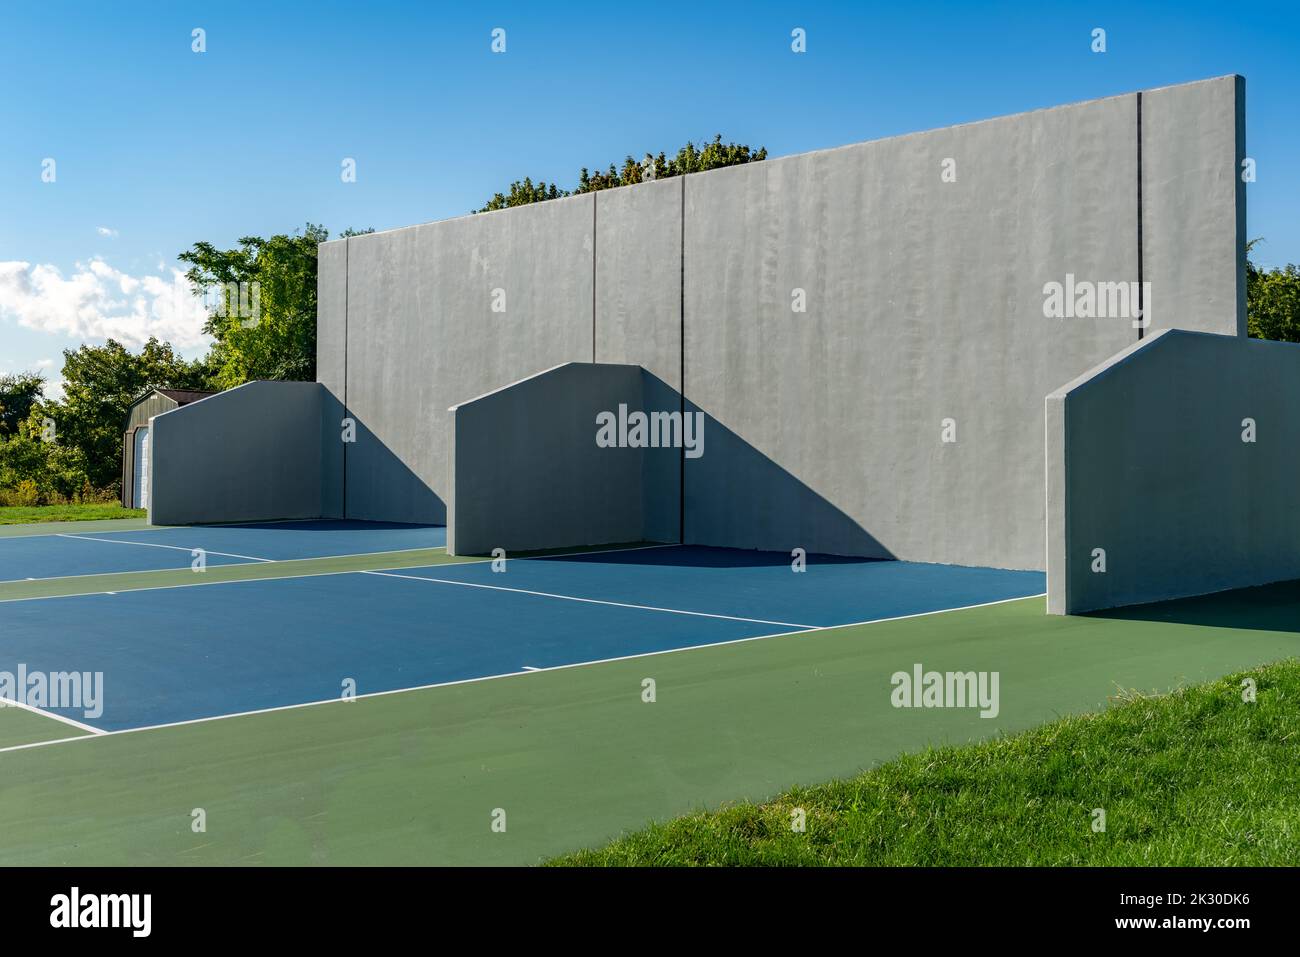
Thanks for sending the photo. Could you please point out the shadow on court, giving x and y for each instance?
(1273, 607)
(703, 556)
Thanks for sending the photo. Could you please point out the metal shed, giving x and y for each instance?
(135, 439)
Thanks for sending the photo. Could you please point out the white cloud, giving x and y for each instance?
(105, 231)
(99, 302)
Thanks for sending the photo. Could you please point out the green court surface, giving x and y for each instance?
(19, 726)
(81, 528)
(574, 756)
(217, 574)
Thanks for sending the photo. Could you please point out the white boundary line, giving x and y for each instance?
(591, 601)
(129, 591)
(74, 524)
(274, 578)
(274, 561)
(515, 674)
(11, 703)
(164, 528)
(177, 548)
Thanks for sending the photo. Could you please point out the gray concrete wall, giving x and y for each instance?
(331, 365)
(251, 453)
(1146, 461)
(526, 471)
(1194, 205)
(924, 302)
(421, 335)
(639, 316)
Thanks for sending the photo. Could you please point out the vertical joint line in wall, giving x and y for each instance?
(347, 274)
(1141, 311)
(681, 370)
(594, 198)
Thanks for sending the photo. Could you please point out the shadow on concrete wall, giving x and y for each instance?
(732, 479)
(380, 487)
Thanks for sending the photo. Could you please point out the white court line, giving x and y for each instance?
(516, 674)
(276, 578)
(276, 561)
(590, 601)
(165, 528)
(179, 548)
(102, 531)
(11, 703)
(131, 591)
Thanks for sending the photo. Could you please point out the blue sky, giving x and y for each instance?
(157, 147)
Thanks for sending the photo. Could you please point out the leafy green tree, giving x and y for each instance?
(264, 318)
(18, 393)
(1272, 300)
(714, 155)
(521, 194)
(99, 385)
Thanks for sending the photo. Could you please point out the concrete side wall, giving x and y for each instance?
(1147, 462)
(1194, 205)
(924, 303)
(639, 316)
(331, 364)
(331, 315)
(252, 453)
(526, 471)
(422, 335)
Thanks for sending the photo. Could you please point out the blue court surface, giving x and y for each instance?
(176, 654)
(70, 553)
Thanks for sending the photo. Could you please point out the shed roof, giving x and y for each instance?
(185, 396)
(179, 396)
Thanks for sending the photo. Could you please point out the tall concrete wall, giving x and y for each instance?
(639, 316)
(924, 303)
(526, 471)
(1147, 462)
(251, 453)
(422, 335)
(1194, 205)
(331, 366)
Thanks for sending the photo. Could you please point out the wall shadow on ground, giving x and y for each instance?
(705, 556)
(1273, 607)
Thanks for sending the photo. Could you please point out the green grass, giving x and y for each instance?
(1195, 777)
(577, 759)
(21, 515)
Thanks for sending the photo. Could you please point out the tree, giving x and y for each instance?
(1272, 300)
(18, 393)
(99, 385)
(264, 320)
(688, 159)
(521, 194)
